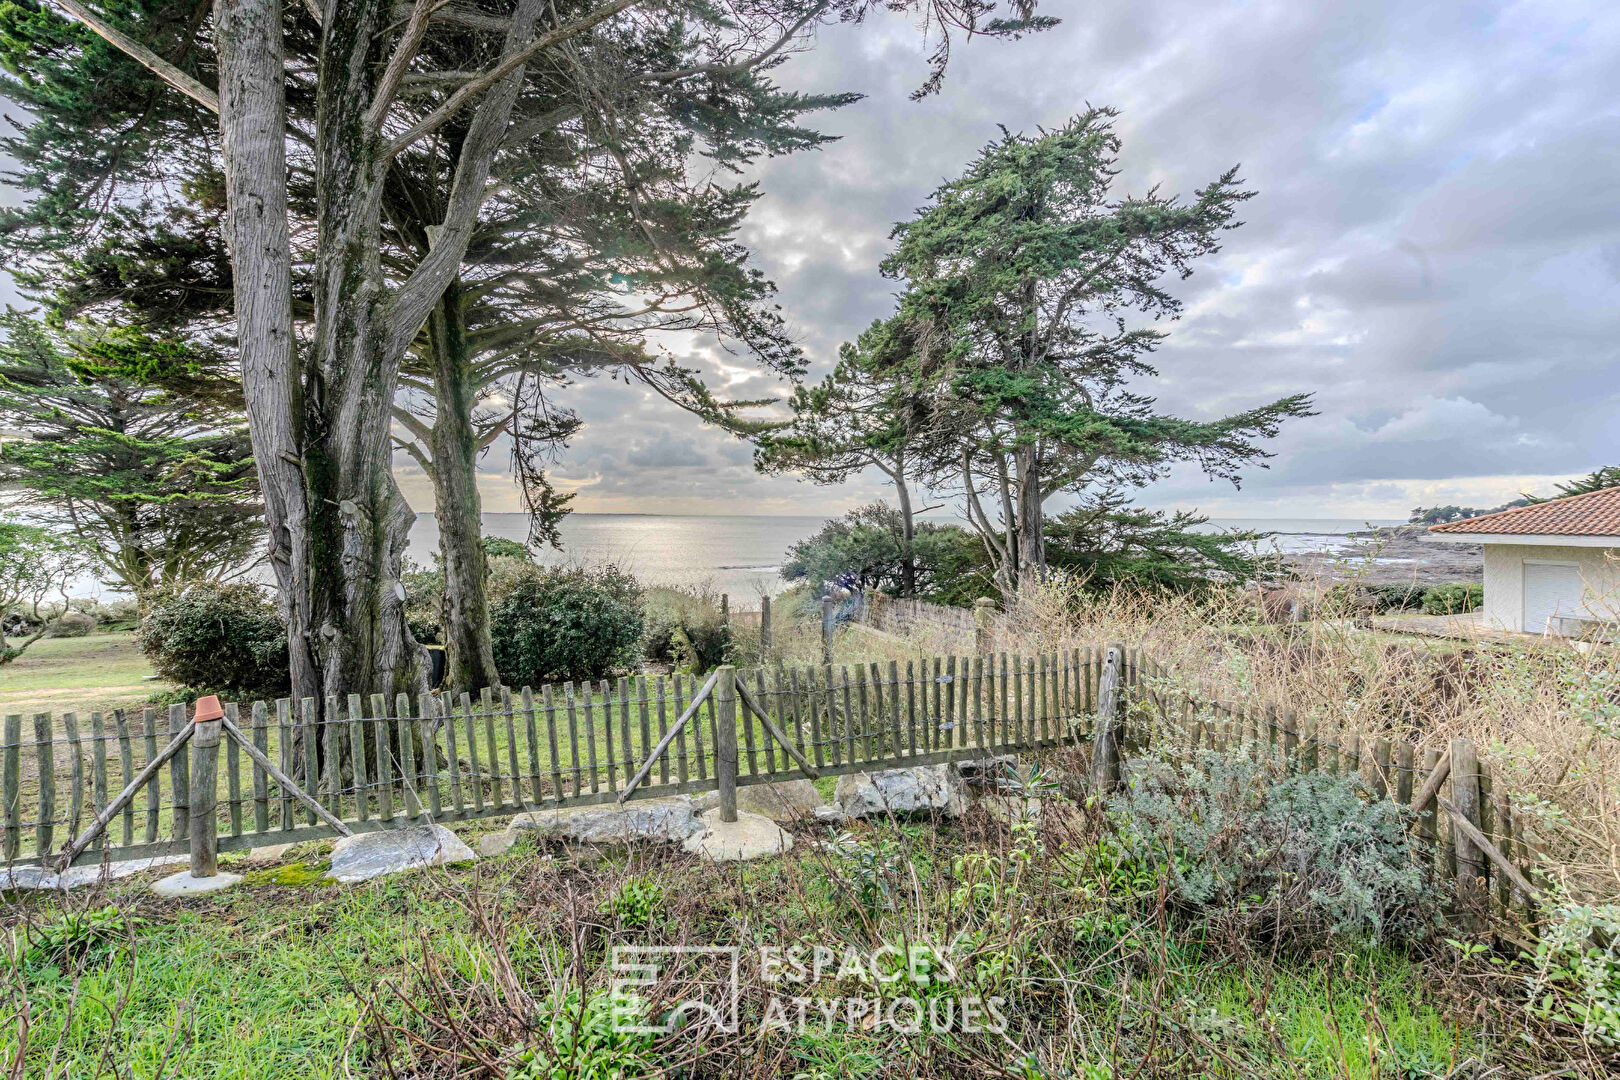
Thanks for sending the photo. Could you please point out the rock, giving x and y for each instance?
(992, 772)
(923, 789)
(785, 801)
(182, 885)
(831, 815)
(98, 873)
(273, 853)
(751, 836)
(1011, 809)
(664, 821)
(498, 843)
(705, 800)
(374, 854)
(28, 877)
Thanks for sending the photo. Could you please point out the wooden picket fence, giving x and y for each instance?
(292, 771)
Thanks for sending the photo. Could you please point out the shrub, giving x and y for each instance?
(218, 637)
(1453, 599)
(72, 624)
(553, 624)
(424, 603)
(1301, 857)
(683, 628)
(1377, 599)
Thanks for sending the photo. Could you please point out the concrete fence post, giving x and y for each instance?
(984, 634)
(725, 741)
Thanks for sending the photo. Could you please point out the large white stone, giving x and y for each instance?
(923, 789)
(784, 801)
(38, 878)
(666, 821)
(28, 877)
(374, 854)
(751, 836)
(182, 885)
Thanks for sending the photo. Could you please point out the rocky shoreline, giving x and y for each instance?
(1393, 556)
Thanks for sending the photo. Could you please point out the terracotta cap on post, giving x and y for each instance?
(208, 708)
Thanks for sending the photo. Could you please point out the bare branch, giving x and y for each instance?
(512, 61)
(400, 62)
(144, 56)
(739, 66)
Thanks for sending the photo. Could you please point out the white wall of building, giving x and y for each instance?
(1599, 571)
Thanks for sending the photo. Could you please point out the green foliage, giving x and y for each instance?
(1109, 541)
(1260, 851)
(72, 624)
(870, 868)
(130, 439)
(637, 901)
(865, 549)
(76, 937)
(226, 638)
(683, 628)
(498, 547)
(1376, 599)
(35, 563)
(1577, 970)
(552, 624)
(1022, 277)
(1454, 599)
(584, 1044)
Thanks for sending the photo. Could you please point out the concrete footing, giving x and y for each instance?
(182, 885)
(751, 836)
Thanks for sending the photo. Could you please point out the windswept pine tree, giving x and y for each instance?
(134, 444)
(325, 113)
(1023, 276)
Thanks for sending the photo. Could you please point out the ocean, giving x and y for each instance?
(743, 556)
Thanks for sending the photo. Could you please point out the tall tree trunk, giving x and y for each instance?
(469, 649)
(908, 530)
(358, 520)
(1031, 535)
(252, 113)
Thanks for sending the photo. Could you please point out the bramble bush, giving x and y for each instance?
(213, 637)
(683, 629)
(552, 623)
(1296, 857)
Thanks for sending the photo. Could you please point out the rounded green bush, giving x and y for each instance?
(218, 637)
(1453, 599)
(552, 624)
(71, 624)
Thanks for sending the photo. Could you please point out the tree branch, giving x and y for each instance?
(512, 61)
(144, 56)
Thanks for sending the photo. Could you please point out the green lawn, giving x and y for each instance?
(100, 672)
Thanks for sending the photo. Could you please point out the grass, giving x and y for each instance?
(425, 974)
(98, 672)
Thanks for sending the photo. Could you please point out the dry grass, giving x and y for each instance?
(1545, 715)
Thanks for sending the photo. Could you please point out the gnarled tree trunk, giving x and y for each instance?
(468, 646)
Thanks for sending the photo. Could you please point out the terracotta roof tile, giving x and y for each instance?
(1596, 513)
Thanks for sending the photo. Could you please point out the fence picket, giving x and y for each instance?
(510, 716)
(331, 744)
(531, 728)
(475, 769)
(452, 748)
(382, 737)
(70, 726)
(179, 776)
(45, 768)
(126, 760)
(284, 743)
(98, 762)
(11, 786)
(625, 740)
(607, 727)
(487, 699)
(644, 714)
(551, 740)
(356, 727)
(233, 773)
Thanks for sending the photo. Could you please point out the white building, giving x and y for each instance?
(1550, 567)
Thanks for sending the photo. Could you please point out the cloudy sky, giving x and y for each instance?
(1434, 249)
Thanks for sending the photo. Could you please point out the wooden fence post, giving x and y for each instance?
(1470, 858)
(826, 629)
(725, 609)
(764, 624)
(984, 610)
(1105, 763)
(725, 741)
(203, 834)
